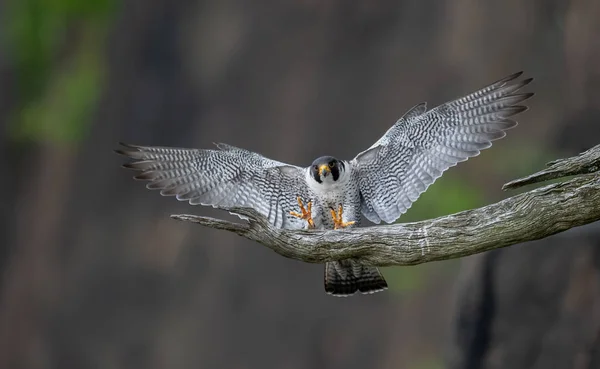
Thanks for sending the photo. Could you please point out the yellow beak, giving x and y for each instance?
(324, 168)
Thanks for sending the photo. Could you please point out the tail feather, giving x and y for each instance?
(346, 277)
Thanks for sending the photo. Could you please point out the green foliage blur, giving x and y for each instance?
(429, 363)
(57, 47)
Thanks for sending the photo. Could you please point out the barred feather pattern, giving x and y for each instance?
(228, 177)
(346, 277)
(421, 145)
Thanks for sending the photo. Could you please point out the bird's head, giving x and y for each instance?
(327, 169)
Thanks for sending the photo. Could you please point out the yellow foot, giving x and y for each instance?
(337, 219)
(306, 213)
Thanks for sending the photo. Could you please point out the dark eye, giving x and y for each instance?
(316, 167)
(331, 164)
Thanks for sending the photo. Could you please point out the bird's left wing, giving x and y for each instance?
(422, 144)
(228, 177)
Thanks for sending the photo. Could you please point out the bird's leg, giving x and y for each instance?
(337, 219)
(306, 213)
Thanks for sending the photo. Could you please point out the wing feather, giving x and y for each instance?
(229, 177)
(422, 145)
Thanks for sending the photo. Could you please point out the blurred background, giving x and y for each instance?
(96, 275)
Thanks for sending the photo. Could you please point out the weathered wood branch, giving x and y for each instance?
(586, 162)
(536, 214)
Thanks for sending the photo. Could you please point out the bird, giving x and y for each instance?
(381, 182)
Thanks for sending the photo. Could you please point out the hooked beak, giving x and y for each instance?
(324, 169)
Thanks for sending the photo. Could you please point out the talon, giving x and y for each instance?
(306, 213)
(337, 219)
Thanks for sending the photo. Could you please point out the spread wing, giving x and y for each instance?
(423, 144)
(226, 177)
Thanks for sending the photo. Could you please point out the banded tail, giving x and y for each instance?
(346, 277)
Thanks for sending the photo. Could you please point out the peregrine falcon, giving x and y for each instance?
(380, 183)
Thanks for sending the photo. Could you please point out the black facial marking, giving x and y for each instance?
(315, 173)
(335, 171)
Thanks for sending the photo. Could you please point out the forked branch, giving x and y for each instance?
(529, 216)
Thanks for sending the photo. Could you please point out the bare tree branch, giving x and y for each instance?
(529, 216)
(586, 162)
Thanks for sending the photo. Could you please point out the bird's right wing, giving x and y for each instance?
(422, 144)
(228, 177)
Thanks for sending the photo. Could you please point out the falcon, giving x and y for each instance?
(380, 183)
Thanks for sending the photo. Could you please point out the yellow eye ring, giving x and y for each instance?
(331, 165)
